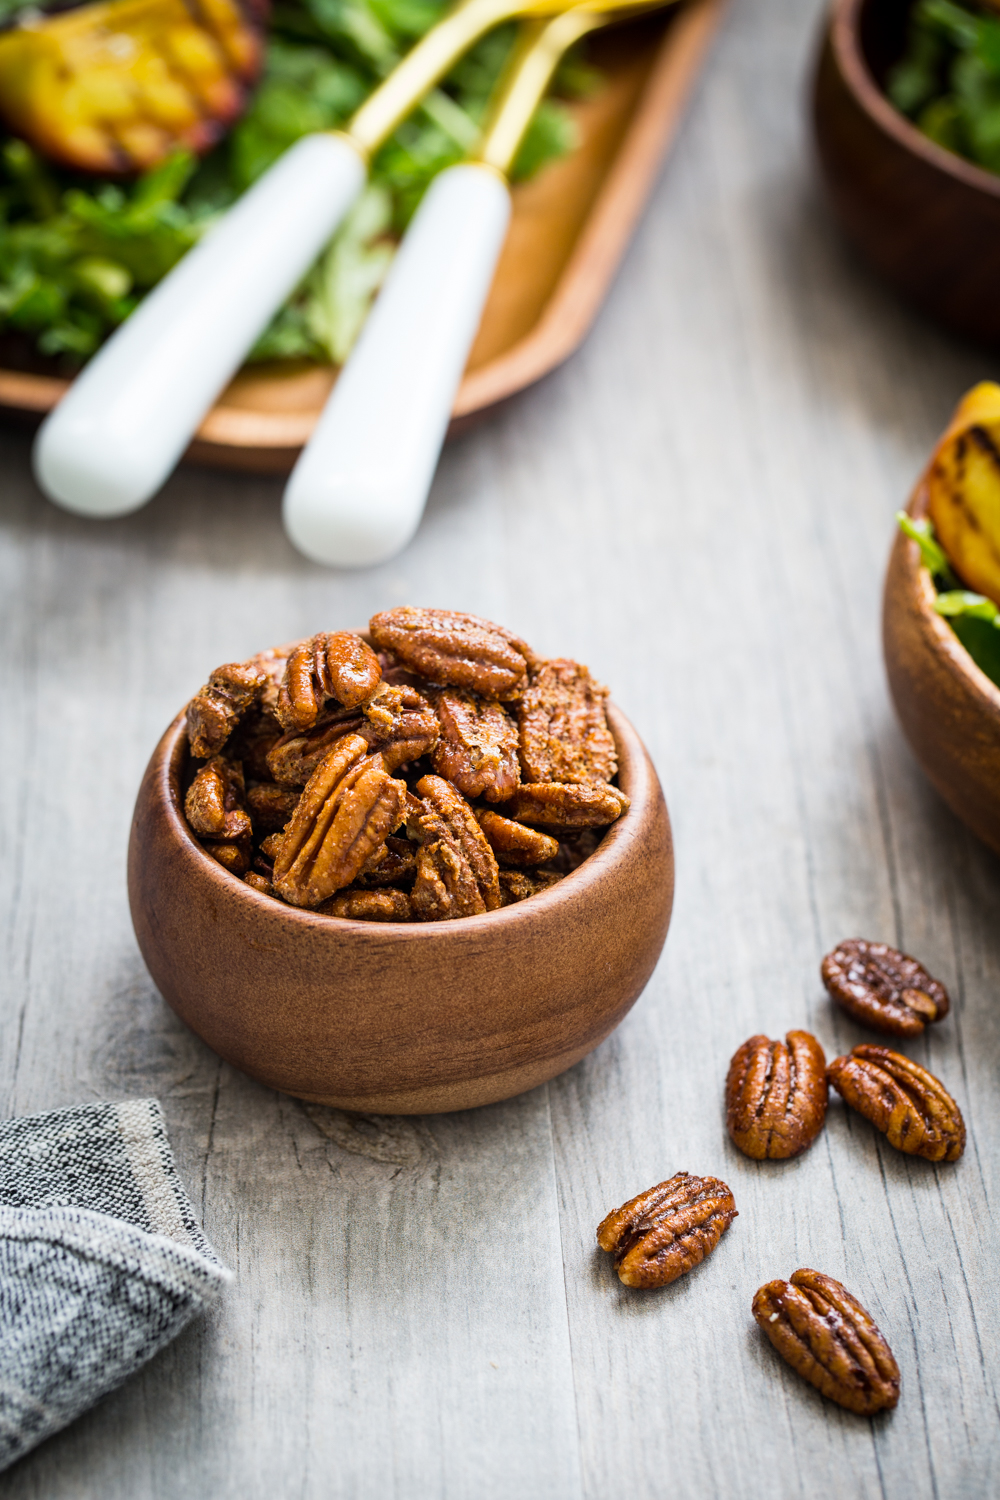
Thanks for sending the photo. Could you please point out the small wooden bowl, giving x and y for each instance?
(928, 220)
(949, 709)
(411, 1018)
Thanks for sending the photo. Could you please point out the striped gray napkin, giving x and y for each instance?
(102, 1261)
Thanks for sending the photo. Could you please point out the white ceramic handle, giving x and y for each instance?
(126, 420)
(357, 493)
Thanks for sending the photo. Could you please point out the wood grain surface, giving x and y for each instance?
(699, 505)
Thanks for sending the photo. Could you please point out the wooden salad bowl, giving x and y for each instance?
(927, 219)
(949, 709)
(408, 1018)
(569, 229)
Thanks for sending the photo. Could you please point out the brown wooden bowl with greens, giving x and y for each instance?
(925, 217)
(949, 709)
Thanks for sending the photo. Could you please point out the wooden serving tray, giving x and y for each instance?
(569, 229)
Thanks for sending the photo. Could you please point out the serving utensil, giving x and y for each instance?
(358, 491)
(128, 417)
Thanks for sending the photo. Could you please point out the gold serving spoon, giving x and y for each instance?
(125, 422)
(115, 87)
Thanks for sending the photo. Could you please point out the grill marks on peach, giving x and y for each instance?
(776, 1096)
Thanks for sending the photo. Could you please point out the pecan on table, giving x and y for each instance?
(368, 906)
(776, 1095)
(563, 727)
(454, 649)
(348, 808)
(270, 806)
(912, 1108)
(215, 800)
(457, 873)
(216, 709)
(518, 885)
(339, 666)
(668, 1230)
(883, 988)
(553, 804)
(830, 1340)
(477, 750)
(515, 843)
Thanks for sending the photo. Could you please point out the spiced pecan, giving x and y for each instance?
(216, 709)
(270, 806)
(272, 663)
(252, 741)
(234, 856)
(477, 750)
(259, 882)
(454, 649)
(515, 844)
(294, 757)
(339, 666)
(911, 1107)
(518, 885)
(270, 846)
(397, 721)
(215, 800)
(369, 906)
(883, 988)
(413, 732)
(668, 1230)
(554, 804)
(394, 864)
(348, 808)
(776, 1095)
(447, 804)
(830, 1340)
(563, 728)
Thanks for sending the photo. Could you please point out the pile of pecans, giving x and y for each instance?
(776, 1101)
(443, 771)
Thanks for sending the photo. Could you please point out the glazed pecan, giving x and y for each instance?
(414, 730)
(446, 805)
(215, 801)
(776, 1095)
(554, 804)
(294, 757)
(216, 709)
(911, 1107)
(340, 666)
(259, 882)
(252, 741)
(271, 846)
(273, 663)
(477, 750)
(348, 808)
(668, 1230)
(270, 806)
(883, 988)
(454, 649)
(827, 1337)
(397, 721)
(394, 864)
(563, 727)
(368, 906)
(234, 857)
(515, 843)
(518, 885)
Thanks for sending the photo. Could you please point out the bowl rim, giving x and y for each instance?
(921, 589)
(643, 788)
(845, 42)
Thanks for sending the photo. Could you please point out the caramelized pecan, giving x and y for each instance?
(259, 882)
(270, 806)
(414, 730)
(668, 1230)
(234, 857)
(515, 843)
(394, 864)
(340, 666)
(830, 1340)
(444, 803)
(216, 709)
(911, 1107)
(563, 727)
(252, 741)
(477, 750)
(454, 649)
(776, 1095)
(368, 906)
(294, 757)
(883, 988)
(518, 885)
(348, 808)
(214, 804)
(553, 804)
(397, 721)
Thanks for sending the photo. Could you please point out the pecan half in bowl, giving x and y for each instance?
(400, 1017)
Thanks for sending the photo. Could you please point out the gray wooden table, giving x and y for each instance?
(700, 506)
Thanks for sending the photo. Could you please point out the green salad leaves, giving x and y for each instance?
(77, 254)
(948, 81)
(974, 618)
